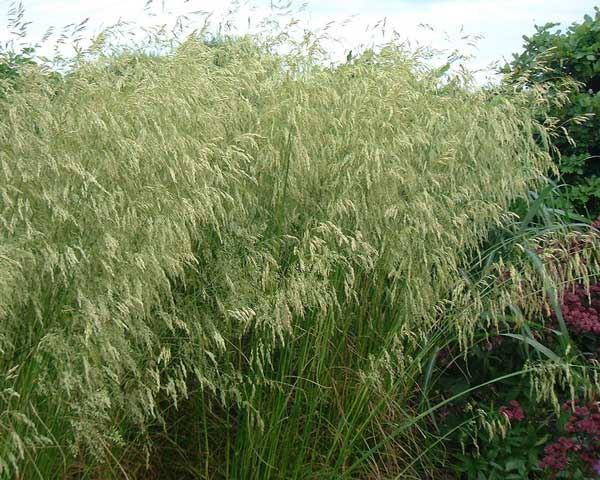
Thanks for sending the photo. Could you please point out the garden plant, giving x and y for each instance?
(233, 259)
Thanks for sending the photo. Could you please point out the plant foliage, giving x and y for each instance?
(551, 55)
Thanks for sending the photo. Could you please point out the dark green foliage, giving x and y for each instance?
(553, 55)
(513, 457)
(10, 66)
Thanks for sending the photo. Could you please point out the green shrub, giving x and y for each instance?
(551, 55)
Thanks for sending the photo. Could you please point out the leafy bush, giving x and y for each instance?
(12, 62)
(551, 55)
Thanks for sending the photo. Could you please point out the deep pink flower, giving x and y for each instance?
(584, 442)
(514, 412)
(580, 309)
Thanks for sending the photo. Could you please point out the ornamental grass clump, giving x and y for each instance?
(228, 262)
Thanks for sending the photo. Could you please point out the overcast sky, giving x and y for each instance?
(501, 23)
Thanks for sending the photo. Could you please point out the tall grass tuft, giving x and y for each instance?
(228, 262)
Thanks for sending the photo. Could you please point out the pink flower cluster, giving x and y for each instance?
(581, 309)
(584, 420)
(514, 412)
(583, 443)
(557, 454)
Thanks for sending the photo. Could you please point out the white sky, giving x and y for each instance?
(501, 23)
